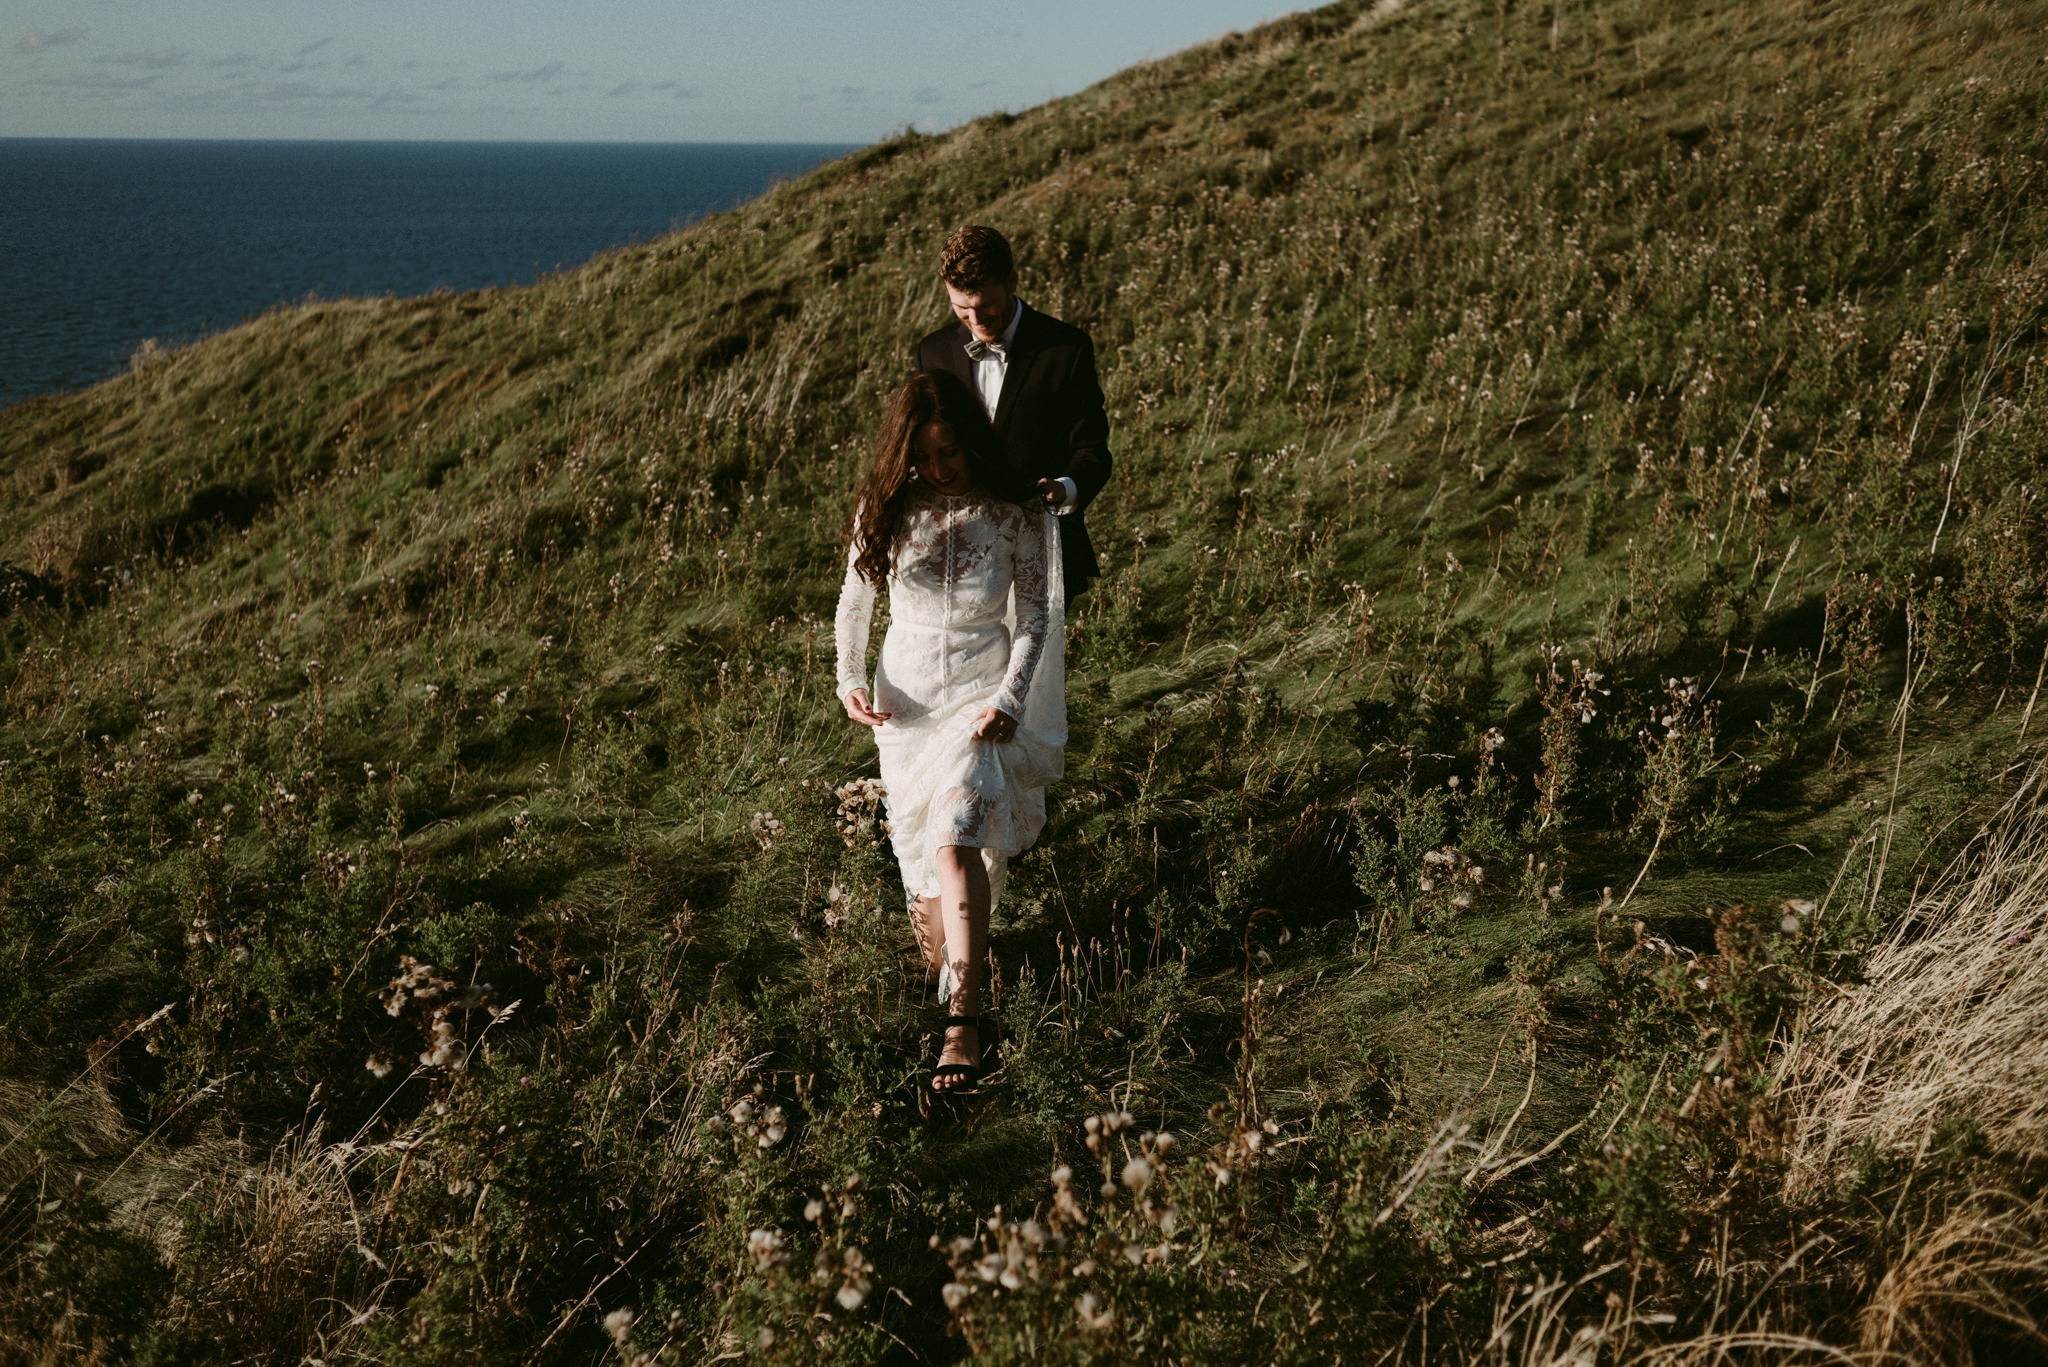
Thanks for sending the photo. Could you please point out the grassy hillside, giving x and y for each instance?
(1575, 578)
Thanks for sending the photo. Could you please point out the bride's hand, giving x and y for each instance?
(857, 708)
(995, 724)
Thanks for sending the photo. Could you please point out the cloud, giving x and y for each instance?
(852, 94)
(304, 93)
(444, 75)
(37, 40)
(282, 92)
(231, 63)
(156, 59)
(105, 82)
(924, 94)
(673, 88)
(533, 77)
(299, 60)
(264, 98)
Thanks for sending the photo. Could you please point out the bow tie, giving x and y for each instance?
(976, 349)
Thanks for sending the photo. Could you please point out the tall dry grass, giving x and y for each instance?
(1949, 1028)
(1985, 1263)
(1951, 1019)
(288, 1241)
(295, 1243)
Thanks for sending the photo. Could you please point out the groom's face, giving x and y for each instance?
(985, 308)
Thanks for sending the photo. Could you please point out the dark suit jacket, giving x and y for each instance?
(1049, 420)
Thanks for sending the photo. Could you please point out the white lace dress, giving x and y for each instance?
(976, 620)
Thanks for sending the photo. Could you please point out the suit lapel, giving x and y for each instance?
(1023, 352)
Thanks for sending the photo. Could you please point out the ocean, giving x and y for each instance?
(106, 243)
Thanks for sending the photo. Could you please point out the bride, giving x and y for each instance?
(969, 701)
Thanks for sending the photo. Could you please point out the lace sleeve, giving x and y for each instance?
(1029, 560)
(850, 627)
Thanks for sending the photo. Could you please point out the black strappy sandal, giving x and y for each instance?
(970, 1074)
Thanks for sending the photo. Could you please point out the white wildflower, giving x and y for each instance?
(767, 1249)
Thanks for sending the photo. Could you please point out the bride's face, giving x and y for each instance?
(939, 461)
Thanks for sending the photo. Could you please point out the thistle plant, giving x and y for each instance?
(1570, 703)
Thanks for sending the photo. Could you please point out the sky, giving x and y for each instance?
(846, 71)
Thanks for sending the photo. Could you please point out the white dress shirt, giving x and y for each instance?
(989, 372)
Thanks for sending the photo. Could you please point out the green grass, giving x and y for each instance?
(1445, 346)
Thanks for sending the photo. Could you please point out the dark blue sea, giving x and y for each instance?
(105, 243)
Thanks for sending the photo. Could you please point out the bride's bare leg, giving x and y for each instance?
(931, 937)
(964, 912)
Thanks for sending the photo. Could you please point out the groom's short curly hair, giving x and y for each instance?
(974, 256)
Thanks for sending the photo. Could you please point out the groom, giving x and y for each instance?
(1036, 375)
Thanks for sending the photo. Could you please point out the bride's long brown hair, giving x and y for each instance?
(930, 396)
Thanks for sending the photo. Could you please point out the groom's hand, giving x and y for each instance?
(1054, 492)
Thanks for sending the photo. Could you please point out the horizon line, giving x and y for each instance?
(505, 142)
